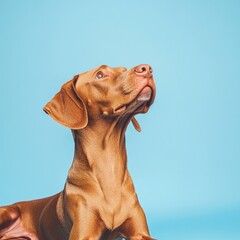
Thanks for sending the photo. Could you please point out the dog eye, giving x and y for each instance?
(99, 75)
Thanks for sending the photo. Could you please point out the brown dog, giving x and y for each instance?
(99, 200)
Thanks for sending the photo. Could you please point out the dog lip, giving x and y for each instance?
(145, 94)
(148, 101)
(153, 95)
(122, 107)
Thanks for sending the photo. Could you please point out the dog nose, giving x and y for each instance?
(143, 70)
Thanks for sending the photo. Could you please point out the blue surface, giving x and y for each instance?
(186, 162)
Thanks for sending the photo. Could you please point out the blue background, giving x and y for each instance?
(186, 162)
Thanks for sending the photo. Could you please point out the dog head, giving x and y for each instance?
(103, 92)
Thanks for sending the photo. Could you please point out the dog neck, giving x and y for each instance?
(100, 154)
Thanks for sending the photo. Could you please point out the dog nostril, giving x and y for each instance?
(143, 69)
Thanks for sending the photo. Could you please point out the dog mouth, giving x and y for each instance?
(144, 97)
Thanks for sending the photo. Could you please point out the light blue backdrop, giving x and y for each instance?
(186, 162)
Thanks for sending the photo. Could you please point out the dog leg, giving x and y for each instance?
(136, 227)
(86, 226)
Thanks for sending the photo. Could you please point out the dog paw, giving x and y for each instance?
(141, 237)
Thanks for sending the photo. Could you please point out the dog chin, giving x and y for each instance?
(145, 94)
(139, 105)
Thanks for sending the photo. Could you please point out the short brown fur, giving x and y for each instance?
(99, 199)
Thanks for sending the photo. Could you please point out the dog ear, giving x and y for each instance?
(136, 124)
(67, 108)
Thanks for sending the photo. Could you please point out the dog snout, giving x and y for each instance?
(143, 70)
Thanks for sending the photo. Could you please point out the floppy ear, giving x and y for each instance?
(67, 108)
